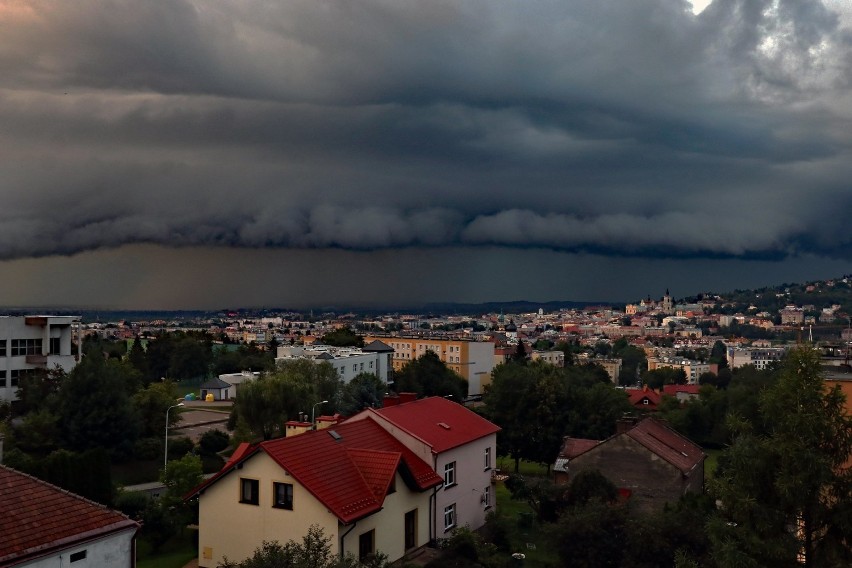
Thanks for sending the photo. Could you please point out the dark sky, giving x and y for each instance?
(210, 153)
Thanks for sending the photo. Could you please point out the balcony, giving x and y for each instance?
(39, 360)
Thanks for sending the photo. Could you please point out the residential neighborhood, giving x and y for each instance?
(397, 439)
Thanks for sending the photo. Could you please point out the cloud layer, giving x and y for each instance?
(632, 128)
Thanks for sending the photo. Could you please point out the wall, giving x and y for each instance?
(233, 529)
(629, 465)
(471, 480)
(115, 550)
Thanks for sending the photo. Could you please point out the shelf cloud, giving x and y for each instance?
(619, 128)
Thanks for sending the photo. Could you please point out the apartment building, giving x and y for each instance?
(473, 360)
(349, 362)
(761, 358)
(34, 342)
(692, 369)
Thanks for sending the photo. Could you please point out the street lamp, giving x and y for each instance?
(166, 450)
(313, 413)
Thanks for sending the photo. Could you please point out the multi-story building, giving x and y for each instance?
(761, 358)
(473, 360)
(34, 342)
(611, 366)
(692, 369)
(349, 362)
(555, 358)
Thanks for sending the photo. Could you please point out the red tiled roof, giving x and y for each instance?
(668, 444)
(573, 447)
(348, 467)
(672, 390)
(37, 518)
(440, 423)
(636, 396)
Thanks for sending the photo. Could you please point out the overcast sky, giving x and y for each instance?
(211, 153)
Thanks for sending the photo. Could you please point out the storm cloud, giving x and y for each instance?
(617, 128)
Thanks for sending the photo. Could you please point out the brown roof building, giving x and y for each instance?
(41, 524)
(650, 462)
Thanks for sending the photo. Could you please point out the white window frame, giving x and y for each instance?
(450, 474)
(450, 517)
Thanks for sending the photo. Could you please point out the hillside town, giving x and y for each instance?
(423, 439)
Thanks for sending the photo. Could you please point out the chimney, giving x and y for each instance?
(390, 401)
(407, 397)
(624, 424)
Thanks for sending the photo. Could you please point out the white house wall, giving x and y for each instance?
(112, 550)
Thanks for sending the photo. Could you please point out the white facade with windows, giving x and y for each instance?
(349, 362)
(28, 343)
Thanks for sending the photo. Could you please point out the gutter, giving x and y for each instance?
(343, 538)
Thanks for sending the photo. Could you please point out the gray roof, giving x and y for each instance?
(215, 383)
(377, 346)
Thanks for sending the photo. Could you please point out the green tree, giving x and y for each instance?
(429, 376)
(786, 491)
(366, 390)
(343, 337)
(151, 404)
(96, 411)
(136, 357)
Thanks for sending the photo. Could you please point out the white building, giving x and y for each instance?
(349, 362)
(34, 342)
(761, 358)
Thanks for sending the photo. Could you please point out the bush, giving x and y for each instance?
(179, 447)
(213, 442)
(132, 503)
(148, 448)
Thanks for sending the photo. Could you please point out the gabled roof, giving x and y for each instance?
(348, 467)
(573, 447)
(668, 444)
(37, 518)
(673, 390)
(215, 383)
(377, 346)
(438, 422)
(636, 396)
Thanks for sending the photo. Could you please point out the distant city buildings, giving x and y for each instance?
(375, 358)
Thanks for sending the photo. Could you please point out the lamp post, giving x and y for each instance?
(313, 413)
(166, 450)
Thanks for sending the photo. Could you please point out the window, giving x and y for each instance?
(487, 458)
(2, 347)
(2, 379)
(54, 346)
(77, 556)
(26, 347)
(366, 544)
(283, 495)
(249, 489)
(449, 517)
(486, 497)
(450, 474)
(15, 376)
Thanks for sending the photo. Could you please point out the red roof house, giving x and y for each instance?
(41, 523)
(460, 444)
(353, 480)
(644, 398)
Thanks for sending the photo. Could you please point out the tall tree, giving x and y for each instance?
(429, 376)
(96, 411)
(786, 489)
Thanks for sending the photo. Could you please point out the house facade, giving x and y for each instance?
(43, 526)
(363, 488)
(461, 447)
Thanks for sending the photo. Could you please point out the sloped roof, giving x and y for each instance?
(573, 447)
(440, 423)
(636, 396)
(348, 468)
(668, 444)
(377, 346)
(672, 390)
(215, 383)
(37, 518)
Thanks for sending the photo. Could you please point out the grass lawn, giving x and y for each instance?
(710, 462)
(526, 531)
(507, 467)
(174, 554)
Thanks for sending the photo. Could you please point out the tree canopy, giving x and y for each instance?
(785, 485)
(429, 376)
